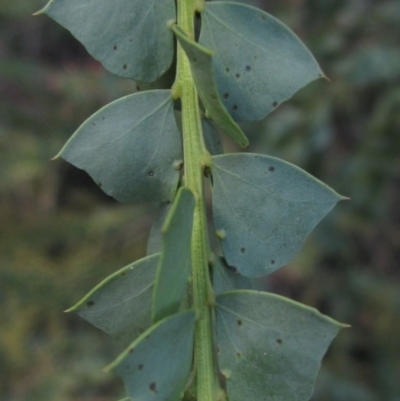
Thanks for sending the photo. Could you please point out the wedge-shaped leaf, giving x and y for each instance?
(270, 348)
(264, 208)
(211, 137)
(129, 37)
(226, 279)
(259, 62)
(121, 304)
(174, 267)
(201, 64)
(157, 365)
(130, 147)
(155, 238)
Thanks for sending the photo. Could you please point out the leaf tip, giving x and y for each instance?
(73, 308)
(108, 368)
(244, 143)
(56, 157)
(323, 76)
(42, 10)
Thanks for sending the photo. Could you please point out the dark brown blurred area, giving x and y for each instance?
(60, 235)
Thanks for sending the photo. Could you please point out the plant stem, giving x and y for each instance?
(194, 155)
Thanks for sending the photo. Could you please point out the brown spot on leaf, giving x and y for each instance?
(90, 303)
(153, 387)
(239, 322)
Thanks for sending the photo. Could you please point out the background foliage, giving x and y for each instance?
(60, 235)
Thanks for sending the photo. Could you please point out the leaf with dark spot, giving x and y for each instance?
(266, 206)
(126, 293)
(257, 366)
(276, 62)
(106, 150)
(162, 359)
(137, 28)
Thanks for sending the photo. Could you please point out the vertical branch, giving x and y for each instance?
(194, 153)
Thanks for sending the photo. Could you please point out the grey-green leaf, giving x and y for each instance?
(130, 147)
(174, 267)
(155, 238)
(259, 62)
(212, 138)
(121, 304)
(263, 209)
(270, 348)
(201, 65)
(226, 279)
(157, 365)
(130, 38)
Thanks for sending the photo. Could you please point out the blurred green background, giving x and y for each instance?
(59, 235)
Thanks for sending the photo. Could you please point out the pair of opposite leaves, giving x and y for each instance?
(269, 348)
(132, 147)
(258, 64)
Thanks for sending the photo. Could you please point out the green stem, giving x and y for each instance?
(194, 156)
